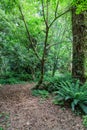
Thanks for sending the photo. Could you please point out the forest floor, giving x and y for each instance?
(19, 110)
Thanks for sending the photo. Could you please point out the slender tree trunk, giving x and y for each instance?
(79, 41)
(55, 66)
(54, 70)
(48, 26)
(43, 59)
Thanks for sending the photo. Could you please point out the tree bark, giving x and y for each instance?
(79, 42)
(43, 59)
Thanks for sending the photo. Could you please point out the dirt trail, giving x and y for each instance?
(19, 110)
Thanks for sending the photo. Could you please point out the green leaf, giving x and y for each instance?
(84, 107)
(75, 101)
(67, 97)
(73, 106)
(1, 128)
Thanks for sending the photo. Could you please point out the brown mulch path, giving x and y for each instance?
(19, 110)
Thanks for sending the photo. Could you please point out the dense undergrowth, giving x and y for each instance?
(61, 88)
(65, 90)
(13, 78)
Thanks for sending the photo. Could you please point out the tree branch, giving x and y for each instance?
(56, 8)
(28, 33)
(47, 13)
(58, 17)
(44, 13)
(55, 44)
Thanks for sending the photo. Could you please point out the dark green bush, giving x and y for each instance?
(85, 121)
(54, 82)
(24, 77)
(13, 78)
(9, 81)
(41, 93)
(73, 93)
(1, 128)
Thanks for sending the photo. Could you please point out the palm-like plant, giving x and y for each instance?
(73, 92)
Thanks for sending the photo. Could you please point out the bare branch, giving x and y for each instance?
(56, 8)
(43, 11)
(48, 47)
(28, 33)
(58, 17)
(47, 13)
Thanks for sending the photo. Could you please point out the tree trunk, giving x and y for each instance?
(55, 65)
(43, 59)
(79, 41)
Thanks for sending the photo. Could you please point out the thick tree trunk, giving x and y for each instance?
(79, 41)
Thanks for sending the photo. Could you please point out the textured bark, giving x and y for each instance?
(55, 65)
(79, 30)
(45, 46)
(43, 60)
(31, 40)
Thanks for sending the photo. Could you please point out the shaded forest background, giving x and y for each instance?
(37, 40)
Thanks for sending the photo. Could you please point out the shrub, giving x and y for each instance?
(73, 93)
(9, 81)
(1, 128)
(41, 93)
(24, 77)
(15, 78)
(85, 121)
(54, 82)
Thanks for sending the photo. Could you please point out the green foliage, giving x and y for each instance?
(24, 77)
(13, 78)
(9, 81)
(81, 5)
(73, 93)
(53, 83)
(1, 128)
(85, 121)
(17, 59)
(41, 93)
